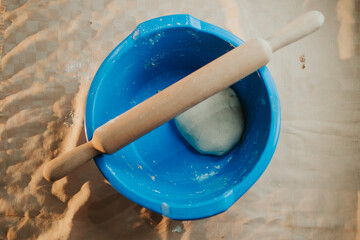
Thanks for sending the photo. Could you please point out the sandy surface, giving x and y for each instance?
(52, 49)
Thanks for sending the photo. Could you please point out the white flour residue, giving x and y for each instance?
(156, 39)
(164, 208)
(154, 61)
(205, 176)
(195, 35)
(73, 67)
(135, 34)
(177, 229)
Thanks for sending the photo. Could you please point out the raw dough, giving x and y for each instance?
(215, 125)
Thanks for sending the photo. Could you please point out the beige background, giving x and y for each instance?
(52, 49)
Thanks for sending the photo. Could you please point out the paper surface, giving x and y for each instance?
(50, 53)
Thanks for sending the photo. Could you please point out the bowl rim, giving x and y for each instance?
(224, 201)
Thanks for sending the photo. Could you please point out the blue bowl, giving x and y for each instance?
(160, 170)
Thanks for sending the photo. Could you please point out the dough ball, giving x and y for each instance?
(215, 125)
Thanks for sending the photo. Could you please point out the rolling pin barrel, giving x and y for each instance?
(182, 95)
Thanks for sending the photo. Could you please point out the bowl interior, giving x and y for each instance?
(161, 170)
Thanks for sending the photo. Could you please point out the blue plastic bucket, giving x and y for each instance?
(161, 171)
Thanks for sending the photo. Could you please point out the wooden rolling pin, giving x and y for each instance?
(182, 95)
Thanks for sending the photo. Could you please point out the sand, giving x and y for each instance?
(50, 52)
